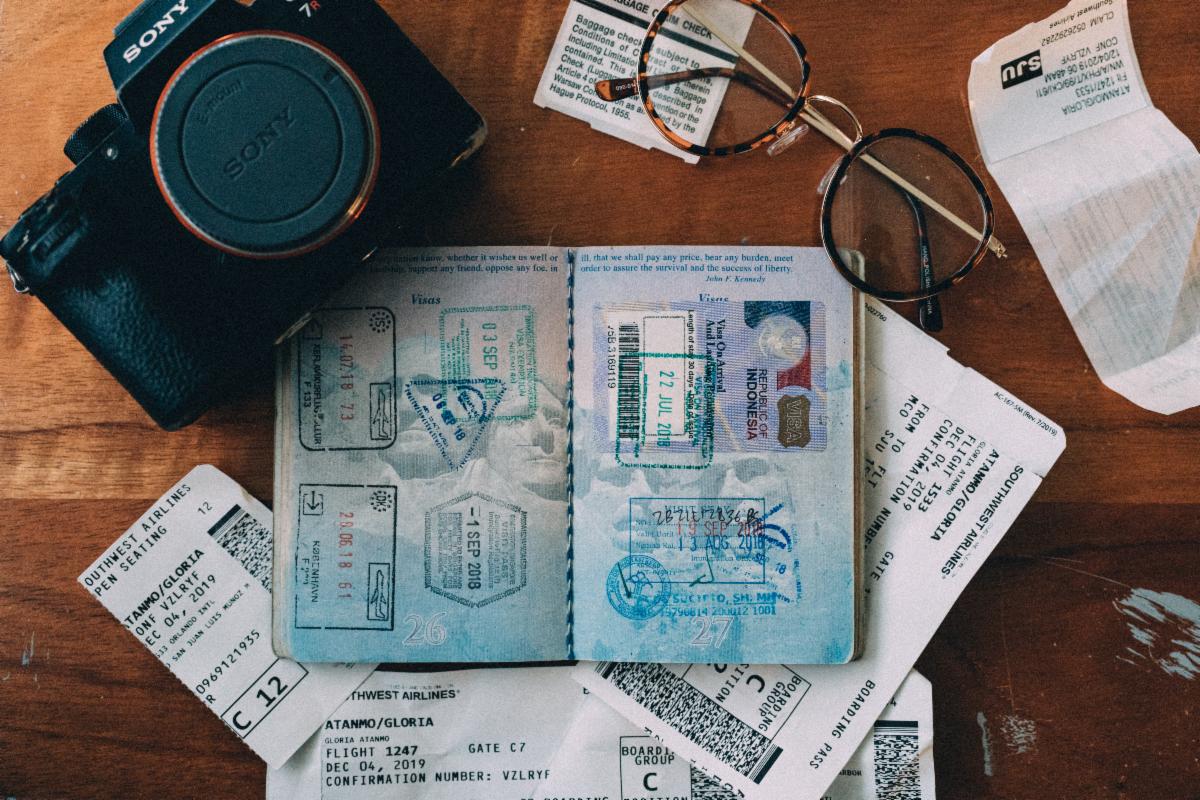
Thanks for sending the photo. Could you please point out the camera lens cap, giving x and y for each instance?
(265, 144)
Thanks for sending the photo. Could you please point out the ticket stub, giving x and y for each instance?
(951, 460)
(192, 581)
(605, 755)
(1057, 77)
(601, 40)
(485, 734)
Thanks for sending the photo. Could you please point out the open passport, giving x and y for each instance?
(530, 454)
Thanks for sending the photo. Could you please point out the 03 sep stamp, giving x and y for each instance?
(493, 343)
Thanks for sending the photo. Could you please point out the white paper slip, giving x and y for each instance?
(192, 580)
(600, 40)
(1106, 188)
(951, 459)
(486, 734)
(605, 755)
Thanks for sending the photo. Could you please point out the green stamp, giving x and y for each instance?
(494, 342)
(665, 410)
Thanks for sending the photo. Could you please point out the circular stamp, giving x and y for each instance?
(638, 587)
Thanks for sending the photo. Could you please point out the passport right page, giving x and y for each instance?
(714, 456)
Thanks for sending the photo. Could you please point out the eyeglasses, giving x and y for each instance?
(903, 218)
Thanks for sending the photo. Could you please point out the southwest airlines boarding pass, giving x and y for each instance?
(192, 581)
(518, 733)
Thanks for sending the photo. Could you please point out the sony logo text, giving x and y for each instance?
(151, 35)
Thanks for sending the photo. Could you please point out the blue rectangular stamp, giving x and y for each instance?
(753, 371)
(345, 557)
(699, 541)
(497, 343)
(346, 380)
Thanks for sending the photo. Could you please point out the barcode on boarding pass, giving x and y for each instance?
(897, 761)
(247, 540)
(695, 715)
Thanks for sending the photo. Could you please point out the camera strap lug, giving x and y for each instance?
(19, 283)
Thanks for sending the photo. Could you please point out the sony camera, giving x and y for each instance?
(258, 153)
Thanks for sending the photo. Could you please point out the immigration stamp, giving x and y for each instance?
(345, 557)
(664, 411)
(638, 587)
(497, 342)
(456, 413)
(704, 540)
(346, 380)
(475, 549)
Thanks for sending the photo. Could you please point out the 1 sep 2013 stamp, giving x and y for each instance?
(494, 342)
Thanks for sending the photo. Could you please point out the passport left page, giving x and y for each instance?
(421, 463)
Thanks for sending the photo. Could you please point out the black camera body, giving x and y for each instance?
(257, 155)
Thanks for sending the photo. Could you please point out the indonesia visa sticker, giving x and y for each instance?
(192, 581)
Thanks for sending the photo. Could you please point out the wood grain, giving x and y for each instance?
(1038, 638)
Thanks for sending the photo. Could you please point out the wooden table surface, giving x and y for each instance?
(1040, 687)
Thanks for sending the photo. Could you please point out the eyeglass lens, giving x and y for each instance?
(908, 249)
(708, 95)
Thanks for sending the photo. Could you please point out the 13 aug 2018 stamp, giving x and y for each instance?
(704, 540)
(346, 380)
(494, 342)
(346, 557)
(475, 549)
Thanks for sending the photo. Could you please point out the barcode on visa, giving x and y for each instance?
(629, 383)
(695, 715)
(897, 761)
(247, 540)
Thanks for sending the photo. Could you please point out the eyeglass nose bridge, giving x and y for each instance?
(826, 126)
(814, 118)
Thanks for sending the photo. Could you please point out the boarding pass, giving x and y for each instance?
(191, 580)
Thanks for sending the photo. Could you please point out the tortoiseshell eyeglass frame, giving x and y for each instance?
(643, 83)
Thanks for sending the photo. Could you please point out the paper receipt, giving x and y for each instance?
(192, 580)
